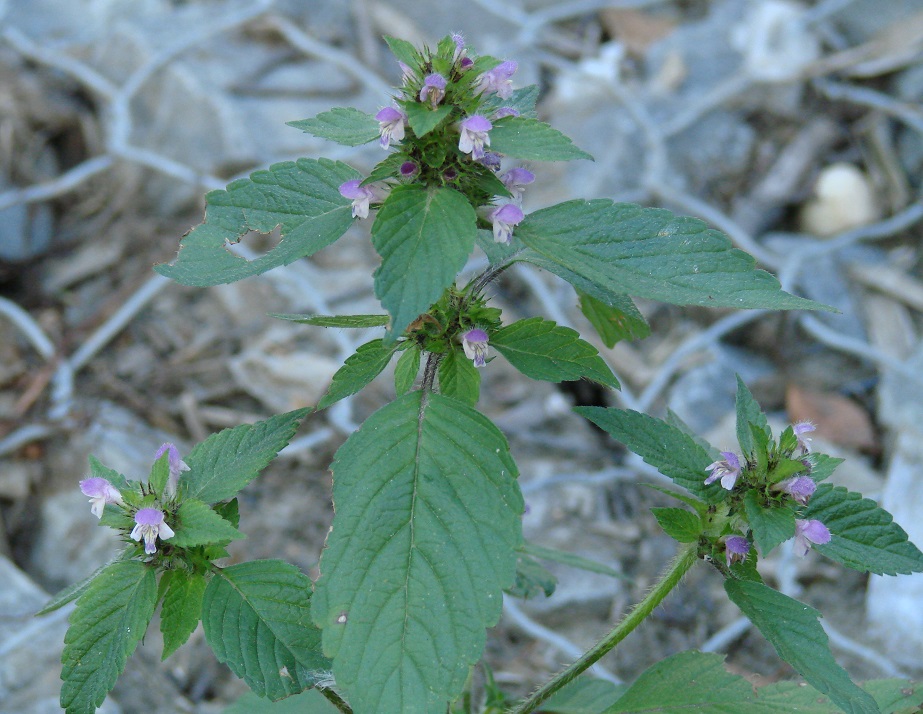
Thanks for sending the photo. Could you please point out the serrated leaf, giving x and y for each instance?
(301, 197)
(531, 139)
(678, 523)
(674, 420)
(388, 168)
(650, 253)
(357, 371)
(403, 51)
(459, 378)
(794, 631)
(406, 370)
(110, 619)
(257, 620)
(584, 695)
(424, 236)
(344, 125)
(532, 580)
(426, 525)
(823, 466)
(422, 119)
(98, 470)
(614, 323)
(227, 461)
(229, 511)
(696, 504)
(522, 100)
(75, 590)
(771, 526)
(309, 702)
(784, 468)
(570, 559)
(349, 321)
(892, 696)
(498, 253)
(864, 535)
(542, 349)
(181, 609)
(748, 413)
(197, 524)
(664, 447)
(160, 474)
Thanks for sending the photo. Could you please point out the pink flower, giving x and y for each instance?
(361, 196)
(735, 549)
(498, 80)
(504, 218)
(728, 469)
(433, 89)
(100, 492)
(800, 488)
(149, 524)
(391, 125)
(474, 343)
(177, 466)
(800, 429)
(808, 532)
(516, 180)
(473, 135)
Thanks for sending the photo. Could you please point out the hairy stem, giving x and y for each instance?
(429, 372)
(336, 700)
(681, 564)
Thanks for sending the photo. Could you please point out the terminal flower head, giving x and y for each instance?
(736, 548)
(516, 180)
(800, 429)
(808, 532)
(727, 469)
(100, 492)
(800, 488)
(360, 195)
(499, 80)
(433, 89)
(408, 169)
(391, 125)
(474, 343)
(150, 526)
(177, 466)
(473, 136)
(503, 219)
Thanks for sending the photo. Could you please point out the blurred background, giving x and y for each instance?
(796, 128)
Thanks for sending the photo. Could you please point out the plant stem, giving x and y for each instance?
(681, 564)
(335, 699)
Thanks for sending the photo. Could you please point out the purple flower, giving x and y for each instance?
(406, 72)
(727, 469)
(491, 160)
(505, 112)
(391, 126)
(498, 80)
(177, 466)
(408, 169)
(735, 549)
(473, 136)
(149, 524)
(433, 89)
(361, 196)
(807, 532)
(459, 41)
(100, 492)
(516, 180)
(465, 63)
(800, 429)
(474, 343)
(504, 218)
(801, 488)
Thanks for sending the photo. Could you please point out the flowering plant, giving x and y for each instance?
(427, 533)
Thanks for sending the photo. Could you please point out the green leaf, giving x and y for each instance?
(696, 504)
(358, 370)
(256, 617)
(346, 126)
(424, 236)
(614, 323)
(622, 248)
(748, 413)
(302, 197)
(160, 474)
(98, 470)
(771, 526)
(229, 511)
(794, 631)
(227, 461)
(422, 118)
(784, 468)
(891, 695)
(664, 447)
(181, 609)
(406, 370)
(75, 590)
(427, 522)
(110, 619)
(584, 695)
(570, 559)
(864, 536)
(541, 349)
(498, 253)
(459, 378)
(403, 51)
(310, 702)
(336, 320)
(522, 100)
(823, 466)
(197, 524)
(532, 580)
(531, 139)
(388, 168)
(678, 523)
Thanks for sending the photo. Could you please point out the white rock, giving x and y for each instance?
(775, 41)
(844, 200)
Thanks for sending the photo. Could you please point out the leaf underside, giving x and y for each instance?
(426, 525)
